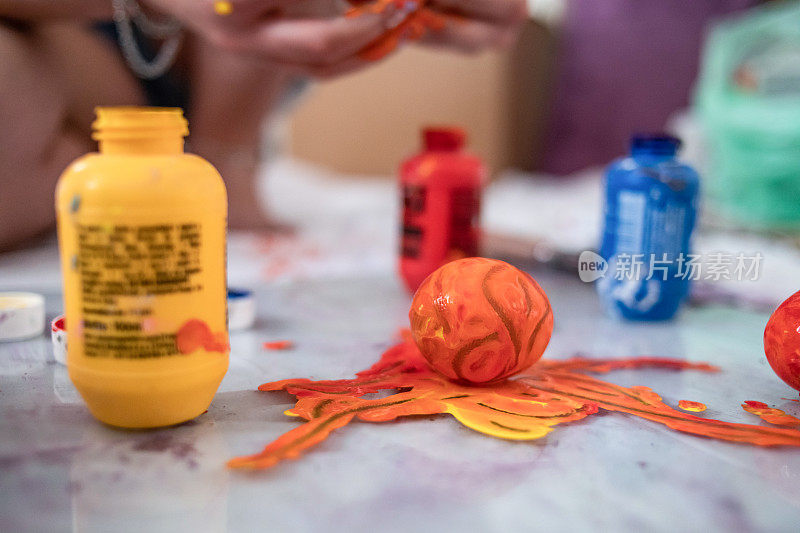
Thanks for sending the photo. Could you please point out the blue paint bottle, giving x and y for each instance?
(650, 212)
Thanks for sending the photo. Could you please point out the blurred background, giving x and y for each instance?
(549, 114)
(584, 75)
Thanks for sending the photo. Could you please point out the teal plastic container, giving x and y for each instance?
(748, 99)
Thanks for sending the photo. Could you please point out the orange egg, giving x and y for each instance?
(480, 320)
(782, 341)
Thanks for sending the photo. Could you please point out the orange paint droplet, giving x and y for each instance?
(278, 345)
(524, 408)
(770, 414)
(218, 343)
(695, 407)
(192, 335)
(195, 334)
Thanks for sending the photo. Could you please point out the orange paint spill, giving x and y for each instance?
(277, 345)
(769, 414)
(418, 21)
(695, 407)
(524, 408)
(195, 334)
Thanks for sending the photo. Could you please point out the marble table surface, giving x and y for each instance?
(60, 470)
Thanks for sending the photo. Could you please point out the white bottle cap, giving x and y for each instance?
(21, 315)
(241, 309)
(58, 331)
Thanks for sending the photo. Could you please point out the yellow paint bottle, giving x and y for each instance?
(141, 228)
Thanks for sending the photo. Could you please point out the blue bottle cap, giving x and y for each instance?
(655, 144)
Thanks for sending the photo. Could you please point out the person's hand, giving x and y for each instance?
(482, 23)
(307, 36)
(467, 25)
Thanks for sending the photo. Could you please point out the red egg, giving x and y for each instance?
(782, 341)
(480, 320)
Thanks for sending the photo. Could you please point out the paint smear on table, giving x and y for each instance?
(694, 407)
(524, 408)
(285, 254)
(770, 414)
(278, 345)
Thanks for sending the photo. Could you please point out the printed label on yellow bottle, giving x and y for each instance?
(126, 264)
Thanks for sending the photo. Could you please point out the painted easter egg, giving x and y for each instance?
(480, 320)
(782, 341)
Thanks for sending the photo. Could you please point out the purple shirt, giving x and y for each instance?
(624, 66)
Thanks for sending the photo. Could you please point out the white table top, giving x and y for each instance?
(62, 470)
(332, 293)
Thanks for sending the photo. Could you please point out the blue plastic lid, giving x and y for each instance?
(238, 293)
(655, 144)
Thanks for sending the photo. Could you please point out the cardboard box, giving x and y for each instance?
(368, 122)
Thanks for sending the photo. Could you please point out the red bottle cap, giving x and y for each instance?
(448, 139)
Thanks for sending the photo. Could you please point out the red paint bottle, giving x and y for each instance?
(441, 190)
